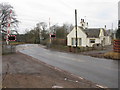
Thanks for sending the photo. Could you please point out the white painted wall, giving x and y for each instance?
(101, 33)
(97, 41)
(80, 34)
(85, 40)
(107, 40)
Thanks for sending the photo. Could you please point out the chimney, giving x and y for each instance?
(105, 27)
(83, 20)
(81, 23)
(86, 25)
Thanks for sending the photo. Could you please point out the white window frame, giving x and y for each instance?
(92, 40)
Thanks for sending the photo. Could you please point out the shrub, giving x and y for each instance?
(59, 42)
(45, 42)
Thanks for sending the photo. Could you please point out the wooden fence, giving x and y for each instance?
(116, 46)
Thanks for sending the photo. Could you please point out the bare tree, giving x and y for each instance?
(54, 28)
(42, 26)
(7, 15)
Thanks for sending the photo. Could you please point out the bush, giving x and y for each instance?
(45, 42)
(60, 47)
(97, 46)
(59, 42)
(83, 49)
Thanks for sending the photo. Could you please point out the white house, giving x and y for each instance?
(88, 37)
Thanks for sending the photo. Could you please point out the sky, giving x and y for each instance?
(97, 13)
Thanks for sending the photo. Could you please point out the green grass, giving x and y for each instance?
(8, 53)
(15, 43)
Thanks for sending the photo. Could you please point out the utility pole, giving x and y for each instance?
(118, 31)
(119, 15)
(76, 26)
(50, 32)
(39, 32)
(111, 31)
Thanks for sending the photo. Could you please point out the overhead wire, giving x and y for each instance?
(66, 4)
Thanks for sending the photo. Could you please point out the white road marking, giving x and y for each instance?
(101, 86)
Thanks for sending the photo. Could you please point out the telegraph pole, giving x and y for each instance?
(50, 31)
(76, 27)
(118, 31)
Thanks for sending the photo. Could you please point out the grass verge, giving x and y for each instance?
(112, 55)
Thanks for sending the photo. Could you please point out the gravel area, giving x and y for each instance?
(22, 71)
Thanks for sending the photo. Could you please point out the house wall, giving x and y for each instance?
(104, 40)
(107, 40)
(101, 33)
(80, 34)
(97, 41)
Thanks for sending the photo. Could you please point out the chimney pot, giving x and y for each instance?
(105, 26)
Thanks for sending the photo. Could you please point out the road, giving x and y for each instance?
(100, 71)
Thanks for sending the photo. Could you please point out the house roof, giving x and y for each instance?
(92, 32)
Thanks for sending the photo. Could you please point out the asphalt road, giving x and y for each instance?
(101, 71)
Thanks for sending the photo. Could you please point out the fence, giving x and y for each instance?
(6, 49)
(116, 46)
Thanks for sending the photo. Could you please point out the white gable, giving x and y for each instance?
(80, 33)
(101, 33)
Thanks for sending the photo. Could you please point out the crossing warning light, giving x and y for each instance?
(11, 37)
(53, 36)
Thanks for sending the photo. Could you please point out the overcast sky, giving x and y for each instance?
(96, 12)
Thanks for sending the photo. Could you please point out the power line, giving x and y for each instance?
(66, 4)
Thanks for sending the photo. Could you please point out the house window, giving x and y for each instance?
(92, 40)
(73, 41)
(80, 41)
